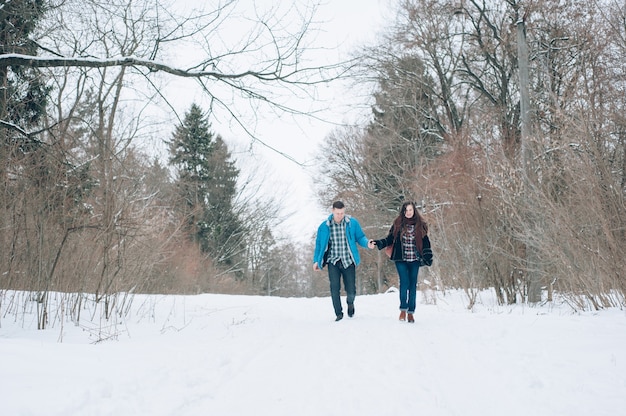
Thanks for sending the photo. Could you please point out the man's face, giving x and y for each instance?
(338, 214)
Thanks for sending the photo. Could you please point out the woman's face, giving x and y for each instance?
(409, 211)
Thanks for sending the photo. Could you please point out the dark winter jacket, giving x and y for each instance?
(421, 241)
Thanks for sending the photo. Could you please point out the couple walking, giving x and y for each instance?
(336, 246)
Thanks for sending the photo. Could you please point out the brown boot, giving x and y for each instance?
(411, 318)
(402, 315)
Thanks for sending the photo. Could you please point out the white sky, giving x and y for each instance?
(345, 25)
(350, 23)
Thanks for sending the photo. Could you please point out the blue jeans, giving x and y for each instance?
(407, 271)
(335, 272)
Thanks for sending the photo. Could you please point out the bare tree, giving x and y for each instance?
(466, 61)
(260, 64)
(98, 59)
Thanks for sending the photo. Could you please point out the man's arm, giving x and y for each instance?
(360, 236)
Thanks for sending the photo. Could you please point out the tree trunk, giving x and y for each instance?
(532, 261)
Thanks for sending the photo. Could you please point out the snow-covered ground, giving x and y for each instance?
(243, 355)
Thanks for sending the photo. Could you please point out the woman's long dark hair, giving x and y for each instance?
(401, 222)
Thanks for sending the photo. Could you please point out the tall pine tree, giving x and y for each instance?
(23, 93)
(206, 183)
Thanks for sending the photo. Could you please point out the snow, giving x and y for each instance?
(247, 355)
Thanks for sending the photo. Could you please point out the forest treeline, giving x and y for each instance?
(524, 197)
(529, 203)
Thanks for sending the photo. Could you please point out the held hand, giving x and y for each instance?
(316, 267)
(371, 244)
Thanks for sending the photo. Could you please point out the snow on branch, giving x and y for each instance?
(13, 59)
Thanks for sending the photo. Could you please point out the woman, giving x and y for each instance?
(405, 238)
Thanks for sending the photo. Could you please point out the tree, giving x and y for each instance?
(458, 63)
(206, 179)
(92, 225)
(427, 31)
(23, 93)
(404, 134)
(267, 51)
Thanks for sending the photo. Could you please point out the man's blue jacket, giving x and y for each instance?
(354, 235)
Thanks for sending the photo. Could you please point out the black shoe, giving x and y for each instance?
(350, 310)
(339, 317)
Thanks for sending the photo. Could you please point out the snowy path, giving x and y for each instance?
(238, 355)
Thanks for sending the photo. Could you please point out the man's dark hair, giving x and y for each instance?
(338, 205)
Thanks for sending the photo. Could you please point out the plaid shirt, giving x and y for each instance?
(409, 249)
(339, 249)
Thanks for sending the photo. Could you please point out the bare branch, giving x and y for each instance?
(153, 66)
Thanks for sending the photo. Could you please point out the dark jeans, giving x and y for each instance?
(407, 271)
(349, 283)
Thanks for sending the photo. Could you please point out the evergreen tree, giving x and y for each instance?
(404, 133)
(23, 93)
(206, 183)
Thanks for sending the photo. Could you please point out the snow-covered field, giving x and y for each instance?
(244, 355)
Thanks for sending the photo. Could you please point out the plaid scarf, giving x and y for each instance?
(409, 248)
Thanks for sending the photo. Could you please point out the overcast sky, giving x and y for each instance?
(343, 26)
(349, 23)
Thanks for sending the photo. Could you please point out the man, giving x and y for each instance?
(336, 245)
